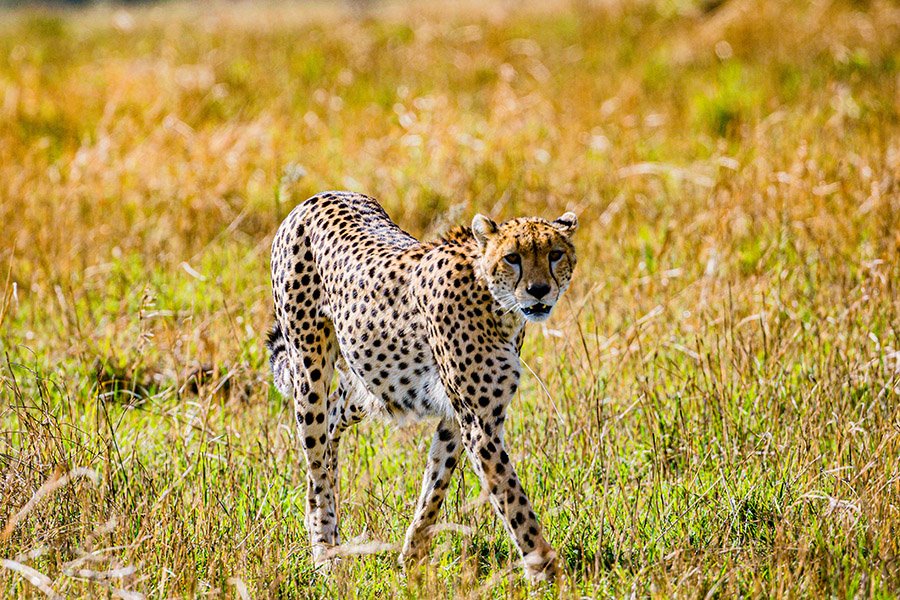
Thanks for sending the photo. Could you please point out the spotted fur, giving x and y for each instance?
(415, 330)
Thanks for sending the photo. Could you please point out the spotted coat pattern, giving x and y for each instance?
(415, 330)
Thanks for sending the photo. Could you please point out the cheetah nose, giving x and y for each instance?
(538, 290)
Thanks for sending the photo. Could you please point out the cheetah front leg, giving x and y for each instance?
(487, 453)
(479, 366)
(442, 459)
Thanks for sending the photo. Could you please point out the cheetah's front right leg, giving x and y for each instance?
(442, 459)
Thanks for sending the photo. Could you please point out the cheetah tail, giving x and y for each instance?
(279, 361)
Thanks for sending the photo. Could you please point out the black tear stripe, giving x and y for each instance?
(553, 275)
(558, 287)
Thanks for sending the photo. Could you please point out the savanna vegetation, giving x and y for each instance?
(712, 412)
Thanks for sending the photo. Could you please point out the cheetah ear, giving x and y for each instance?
(482, 229)
(567, 223)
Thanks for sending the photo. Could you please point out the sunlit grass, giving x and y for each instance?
(722, 415)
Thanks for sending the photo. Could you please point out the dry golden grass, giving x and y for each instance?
(720, 415)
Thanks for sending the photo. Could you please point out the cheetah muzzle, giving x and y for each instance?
(415, 330)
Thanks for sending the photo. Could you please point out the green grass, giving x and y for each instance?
(721, 408)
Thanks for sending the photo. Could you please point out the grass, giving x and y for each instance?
(720, 416)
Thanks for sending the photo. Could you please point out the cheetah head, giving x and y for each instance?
(527, 262)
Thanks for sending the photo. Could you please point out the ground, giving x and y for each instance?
(713, 410)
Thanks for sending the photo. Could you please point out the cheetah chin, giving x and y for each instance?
(414, 330)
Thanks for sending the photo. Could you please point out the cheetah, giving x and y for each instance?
(415, 330)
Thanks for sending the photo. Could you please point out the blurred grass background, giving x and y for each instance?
(718, 413)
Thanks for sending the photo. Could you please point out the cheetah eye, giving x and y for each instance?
(513, 258)
(555, 255)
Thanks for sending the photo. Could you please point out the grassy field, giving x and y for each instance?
(713, 411)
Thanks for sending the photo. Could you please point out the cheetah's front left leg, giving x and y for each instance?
(487, 453)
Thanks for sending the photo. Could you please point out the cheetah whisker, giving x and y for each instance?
(509, 302)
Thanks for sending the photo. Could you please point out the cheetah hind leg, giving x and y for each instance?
(344, 410)
(312, 365)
